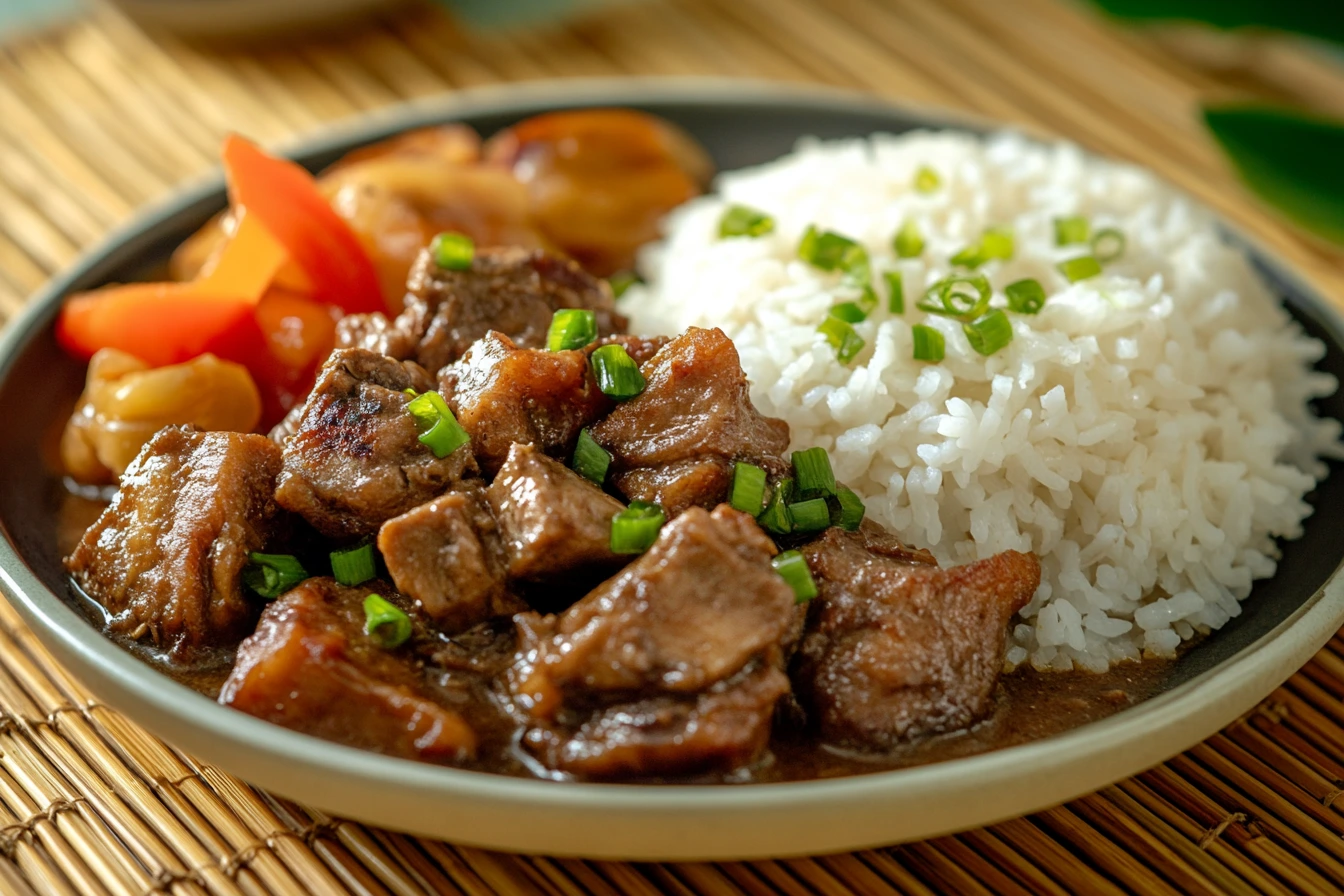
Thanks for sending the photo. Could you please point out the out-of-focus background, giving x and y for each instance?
(106, 106)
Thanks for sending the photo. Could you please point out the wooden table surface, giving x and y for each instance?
(100, 116)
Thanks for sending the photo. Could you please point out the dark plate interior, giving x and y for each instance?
(40, 381)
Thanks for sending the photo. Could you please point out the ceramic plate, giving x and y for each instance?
(1284, 622)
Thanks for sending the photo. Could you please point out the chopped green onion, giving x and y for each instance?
(840, 334)
(635, 529)
(271, 575)
(970, 257)
(409, 393)
(908, 242)
(895, 292)
(438, 428)
(929, 343)
(1108, 244)
(748, 491)
(950, 298)
(571, 328)
(998, 242)
(1025, 296)
(792, 568)
(385, 623)
(867, 302)
(1080, 268)
(591, 460)
(830, 251)
(811, 515)
(739, 220)
(927, 180)
(776, 519)
(990, 333)
(849, 312)
(812, 473)
(354, 566)
(1072, 230)
(453, 251)
(617, 373)
(621, 281)
(847, 509)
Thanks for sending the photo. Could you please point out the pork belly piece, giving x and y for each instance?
(663, 647)
(553, 522)
(355, 459)
(511, 290)
(447, 555)
(165, 558)
(676, 442)
(311, 668)
(897, 648)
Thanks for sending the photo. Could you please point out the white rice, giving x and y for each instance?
(1147, 435)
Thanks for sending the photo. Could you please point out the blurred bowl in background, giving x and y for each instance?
(230, 18)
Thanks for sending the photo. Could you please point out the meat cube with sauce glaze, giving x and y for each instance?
(311, 668)
(897, 648)
(355, 458)
(166, 557)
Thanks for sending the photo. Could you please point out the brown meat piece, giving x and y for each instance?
(355, 459)
(510, 290)
(311, 668)
(897, 648)
(553, 521)
(503, 394)
(675, 443)
(447, 555)
(165, 558)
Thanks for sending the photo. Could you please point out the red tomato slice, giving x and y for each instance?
(285, 200)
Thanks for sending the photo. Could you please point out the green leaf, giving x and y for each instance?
(1294, 162)
(1314, 18)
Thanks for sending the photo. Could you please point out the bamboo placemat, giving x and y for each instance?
(98, 117)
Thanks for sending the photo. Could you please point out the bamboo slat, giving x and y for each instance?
(100, 116)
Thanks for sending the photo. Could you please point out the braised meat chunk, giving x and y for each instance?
(503, 394)
(896, 647)
(657, 648)
(165, 559)
(553, 521)
(446, 554)
(355, 459)
(675, 443)
(310, 667)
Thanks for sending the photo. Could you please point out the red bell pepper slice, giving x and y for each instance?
(285, 200)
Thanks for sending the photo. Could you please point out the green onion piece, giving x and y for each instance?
(409, 393)
(591, 460)
(438, 428)
(929, 344)
(867, 302)
(792, 567)
(1025, 296)
(895, 292)
(990, 333)
(970, 257)
(748, 491)
(812, 473)
(840, 334)
(830, 251)
(1108, 244)
(271, 575)
(776, 519)
(811, 515)
(849, 312)
(635, 529)
(617, 373)
(571, 328)
(847, 509)
(621, 281)
(1072, 230)
(927, 180)
(1079, 268)
(354, 566)
(740, 220)
(908, 242)
(950, 297)
(385, 623)
(997, 242)
(453, 251)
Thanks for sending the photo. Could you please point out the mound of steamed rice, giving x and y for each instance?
(1147, 435)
